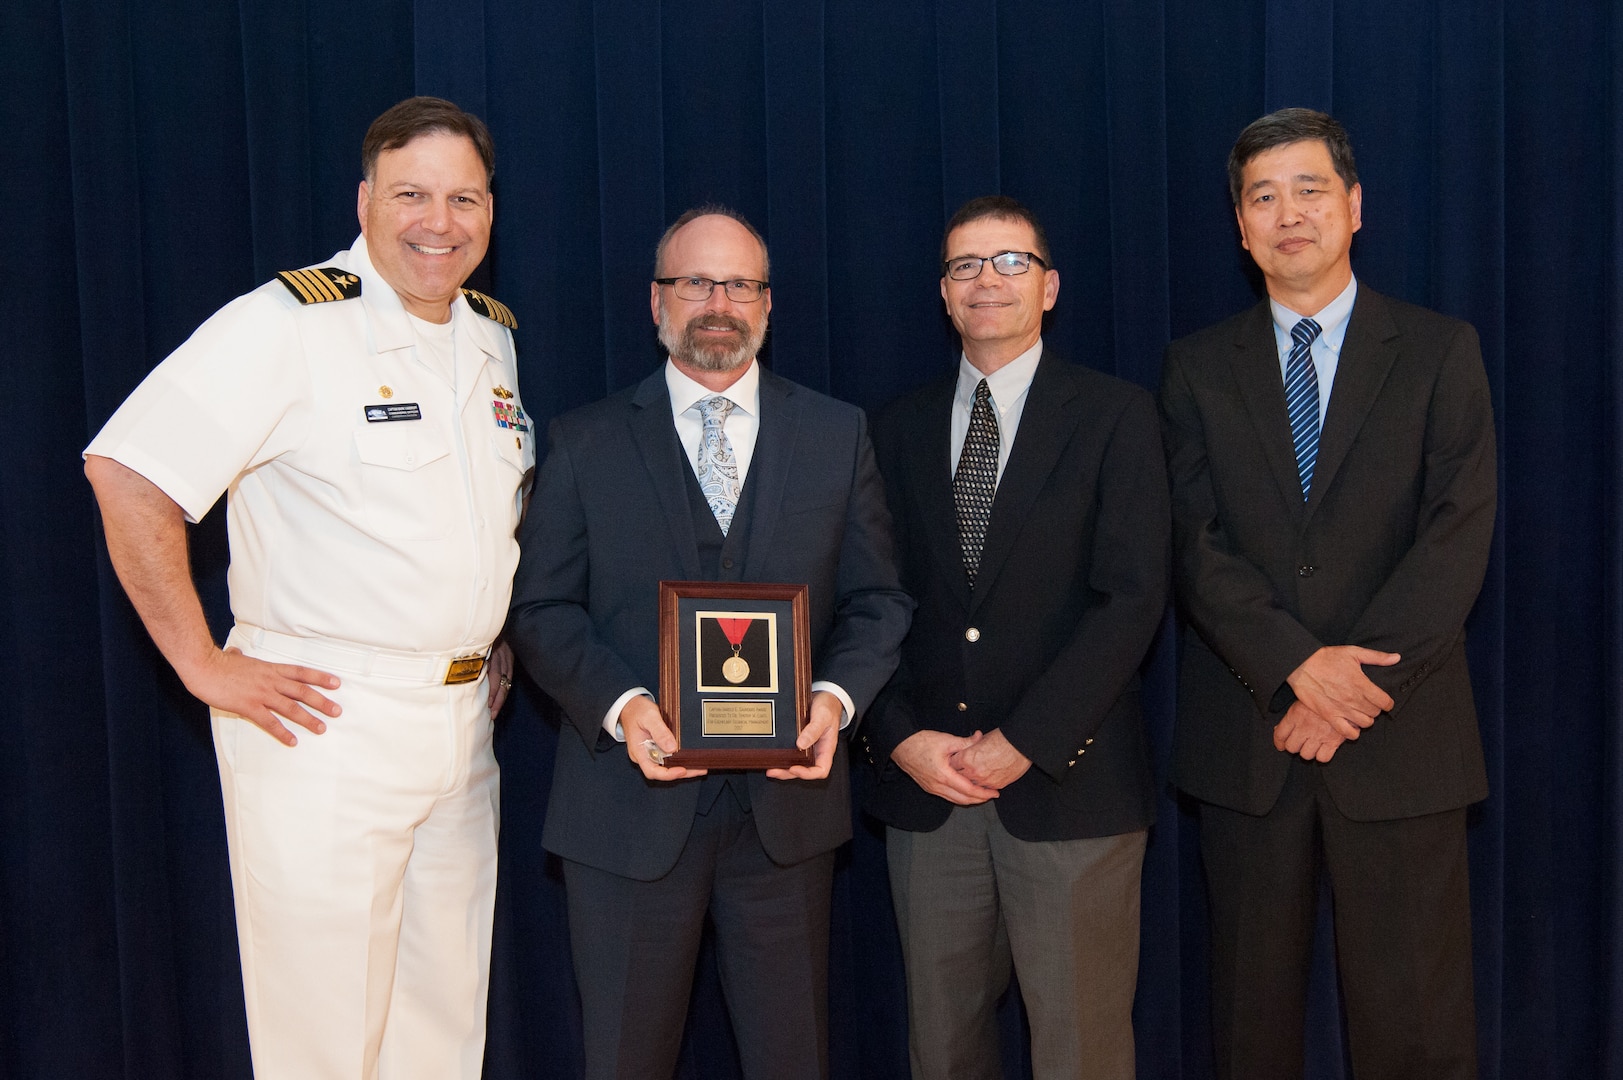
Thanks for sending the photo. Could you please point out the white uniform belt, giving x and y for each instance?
(464, 665)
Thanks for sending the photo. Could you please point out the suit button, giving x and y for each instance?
(1305, 571)
(962, 707)
(1088, 743)
(727, 564)
(972, 634)
(1071, 764)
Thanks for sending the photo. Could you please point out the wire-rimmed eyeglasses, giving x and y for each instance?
(739, 290)
(1007, 263)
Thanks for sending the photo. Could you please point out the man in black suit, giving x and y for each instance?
(1333, 476)
(1032, 526)
(710, 469)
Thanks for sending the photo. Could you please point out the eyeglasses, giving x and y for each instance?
(739, 290)
(1007, 263)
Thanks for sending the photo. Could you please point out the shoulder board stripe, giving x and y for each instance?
(490, 308)
(320, 286)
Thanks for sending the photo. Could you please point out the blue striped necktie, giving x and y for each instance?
(1302, 400)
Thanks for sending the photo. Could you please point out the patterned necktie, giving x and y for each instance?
(718, 469)
(1302, 400)
(975, 482)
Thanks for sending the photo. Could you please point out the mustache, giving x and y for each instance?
(714, 322)
(709, 353)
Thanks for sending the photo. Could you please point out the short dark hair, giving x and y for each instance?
(1290, 126)
(707, 210)
(1002, 208)
(415, 116)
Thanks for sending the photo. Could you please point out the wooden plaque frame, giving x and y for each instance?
(684, 696)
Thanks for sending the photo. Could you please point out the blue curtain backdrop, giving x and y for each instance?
(163, 156)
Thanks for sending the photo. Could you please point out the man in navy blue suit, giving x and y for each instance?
(709, 469)
(1030, 502)
(1333, 487)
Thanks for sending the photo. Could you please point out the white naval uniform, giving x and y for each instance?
(364, 859)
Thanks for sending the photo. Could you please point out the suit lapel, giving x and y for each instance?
(930, 468)
(1255, 364)
(1367, 354)
(655, 435)
(1046, 424)
(768, 477)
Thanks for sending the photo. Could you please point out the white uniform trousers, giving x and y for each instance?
(363, 863)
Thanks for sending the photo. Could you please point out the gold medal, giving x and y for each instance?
(735, 669)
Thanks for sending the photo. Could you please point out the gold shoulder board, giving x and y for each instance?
(490, 308)
(322, 285)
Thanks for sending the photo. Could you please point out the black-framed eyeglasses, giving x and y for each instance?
(739, 290)
(1007, 263)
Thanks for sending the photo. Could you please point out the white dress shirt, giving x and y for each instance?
(395, 534)
(1009, 385)
(1326, 348)
(743, 423)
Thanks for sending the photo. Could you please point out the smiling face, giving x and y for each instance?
(712, 340)
(997, 317)
(426, 213)
(1297, 219)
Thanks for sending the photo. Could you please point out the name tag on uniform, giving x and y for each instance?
(382, 414)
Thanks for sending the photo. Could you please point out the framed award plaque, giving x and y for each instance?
(734, 673)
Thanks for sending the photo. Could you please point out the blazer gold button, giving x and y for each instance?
(1071, 764)
(972, 634)
(1088, 743)
(962, 707)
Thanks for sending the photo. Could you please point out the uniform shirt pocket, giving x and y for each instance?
(518, 453)
(410, 489)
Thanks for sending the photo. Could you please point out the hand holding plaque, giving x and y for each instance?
(735, 673)
(646, 738)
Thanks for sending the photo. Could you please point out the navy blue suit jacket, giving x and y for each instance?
(610, 519)
(1072, 585)
(1388, 552)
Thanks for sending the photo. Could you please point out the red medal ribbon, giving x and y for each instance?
(735, 629)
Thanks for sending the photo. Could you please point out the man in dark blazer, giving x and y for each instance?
(1333, 476)
(709, 469)
(1032, 526)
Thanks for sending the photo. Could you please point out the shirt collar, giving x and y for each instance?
(1332, 319)
(1007, 383)
(744, 393)
(391, 323)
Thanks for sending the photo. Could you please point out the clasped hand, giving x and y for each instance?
(1335, 701)
(965, 770)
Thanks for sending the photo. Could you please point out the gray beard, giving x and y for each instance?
(687, 350)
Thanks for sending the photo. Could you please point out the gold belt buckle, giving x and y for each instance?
(464, 669)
